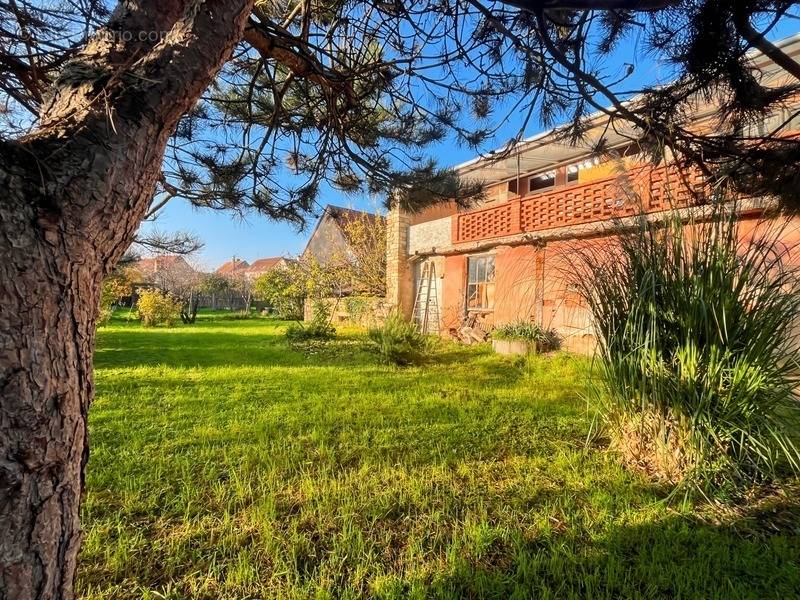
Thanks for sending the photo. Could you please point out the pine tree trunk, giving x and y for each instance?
(47, 328)
(72, 195)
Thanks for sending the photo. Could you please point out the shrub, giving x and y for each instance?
(697, 357)
(399, 341)
(156, 307)
(284, 289)
(545, 339)
(319, 328)
(114, 288)
(105, 314)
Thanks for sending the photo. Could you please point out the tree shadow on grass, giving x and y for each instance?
(756, 556)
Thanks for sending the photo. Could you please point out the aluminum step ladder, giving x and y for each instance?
(426, 303)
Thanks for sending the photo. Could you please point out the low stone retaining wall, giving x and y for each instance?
(360, 311)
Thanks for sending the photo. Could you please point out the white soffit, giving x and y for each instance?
(543, 151)
(537, 154)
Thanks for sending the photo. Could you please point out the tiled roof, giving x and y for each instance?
(148, 266)
(264, 264)
(232, 266)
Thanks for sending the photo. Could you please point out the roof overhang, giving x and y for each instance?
(542, 152)
(548, 149)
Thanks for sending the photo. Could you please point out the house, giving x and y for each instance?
(151, 268)
(263, 265)
(232, 266)
(509, 258)
(330, 239)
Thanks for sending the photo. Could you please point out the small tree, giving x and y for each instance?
(359, 269)
(363, 266)
(116, 286)
(214, 285)
(157, 307)
(284, 289)
(320, 280)
(182, 282)
(241, 287)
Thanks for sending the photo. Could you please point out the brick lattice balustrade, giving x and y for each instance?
(656, 188)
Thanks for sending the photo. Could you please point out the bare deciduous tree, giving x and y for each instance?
(183, 282)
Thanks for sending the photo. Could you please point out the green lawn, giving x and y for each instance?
(225, 464)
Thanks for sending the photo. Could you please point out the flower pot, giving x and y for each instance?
(514, 347)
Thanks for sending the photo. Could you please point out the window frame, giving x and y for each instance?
(480, 281)
(575, 172)
(533, 178)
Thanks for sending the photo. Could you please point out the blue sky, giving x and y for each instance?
(226, 235)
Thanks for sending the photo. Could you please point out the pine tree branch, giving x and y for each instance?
(275, 43)
(760, 42)
(602, 5)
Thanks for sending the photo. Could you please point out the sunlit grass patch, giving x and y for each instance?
(228, 464)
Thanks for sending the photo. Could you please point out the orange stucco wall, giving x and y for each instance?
(532, 283)
(516, 272)
(453, 290)
(562, 308)
(754, 228)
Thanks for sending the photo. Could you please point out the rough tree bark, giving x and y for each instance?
(72, 195)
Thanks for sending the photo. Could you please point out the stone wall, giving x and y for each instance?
(432, 234)
(360, 311)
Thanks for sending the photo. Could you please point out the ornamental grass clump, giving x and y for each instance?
(544, 339)
(697, 350)
(400, 342)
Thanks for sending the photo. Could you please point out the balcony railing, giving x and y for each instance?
(651, 189)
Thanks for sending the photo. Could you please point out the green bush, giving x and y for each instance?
(104, 315)
(697, 357)
(545, 339)
(400, 342)
(157, 308)
(284, 290)
(115, 287)
(319, 328)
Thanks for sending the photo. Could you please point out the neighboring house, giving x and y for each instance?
(157, 269)
(329, 240)
(263, 265)
(508, 258)
(232, 266)
(331, 244)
